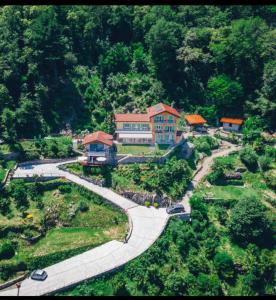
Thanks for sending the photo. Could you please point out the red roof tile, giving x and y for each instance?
(195, 119)
(161, 107)
(231, 121)
(131, 118)
(98, 136)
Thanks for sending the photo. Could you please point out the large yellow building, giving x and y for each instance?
(158, 125)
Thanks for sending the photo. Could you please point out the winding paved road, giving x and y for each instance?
(147, 225)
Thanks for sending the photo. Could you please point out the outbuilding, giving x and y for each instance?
(230, 124)
(196, 122)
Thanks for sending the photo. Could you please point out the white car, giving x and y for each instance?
(39, 275)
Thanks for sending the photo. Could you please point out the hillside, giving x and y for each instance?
(77, 65)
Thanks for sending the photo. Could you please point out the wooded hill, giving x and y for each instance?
(79, 64)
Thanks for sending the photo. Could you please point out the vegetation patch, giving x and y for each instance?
(49, 221)
(140, 150)
(227, 249)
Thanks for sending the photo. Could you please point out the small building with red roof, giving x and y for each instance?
(99, 149)
(158, 125)
(196, 122)
(231, 124)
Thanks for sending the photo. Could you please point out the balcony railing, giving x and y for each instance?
(96, 153)
(164, 130)
(164, 121)
(133, 129)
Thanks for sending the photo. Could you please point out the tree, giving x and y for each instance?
(209, 285)
(116, 59)
(17, 190)
(175, 285)
(8, 121)
(252, 128)
(248, 222)
(249, 157)
(225, 93)
(224, 265)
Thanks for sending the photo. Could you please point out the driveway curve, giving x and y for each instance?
(147, 226)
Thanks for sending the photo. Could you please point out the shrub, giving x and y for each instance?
(4, 205)
(270, 179)
(221, 214)
(83, 206)
(248, 222)
(6, 251)
(64, 189)
(264, 162)
(216, 177)
(7, 269)
(147, 203)
(155, 204)
(249, 157)
(224, 265)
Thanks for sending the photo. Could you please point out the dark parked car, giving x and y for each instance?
(39, 275)
(176, 208)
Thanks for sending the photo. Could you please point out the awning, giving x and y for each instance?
(135, 135)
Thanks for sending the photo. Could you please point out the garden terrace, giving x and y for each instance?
(61, 218)
(140, 150)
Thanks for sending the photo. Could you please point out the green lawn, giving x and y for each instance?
(158, 150)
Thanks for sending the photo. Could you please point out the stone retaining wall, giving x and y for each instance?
(140, 198)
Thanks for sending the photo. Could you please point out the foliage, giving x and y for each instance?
(6, 251)
(224, 264)
(249, 157)
(205, 144)
(248, 222)
(101, 60)
(225, 93)
(265, 162)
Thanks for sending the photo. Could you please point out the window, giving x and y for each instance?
(230, 124)
(145, 127)
(96, 147)
(169, 128)
(158, 127)
(170, 119)
(126, 126)
(158, 119)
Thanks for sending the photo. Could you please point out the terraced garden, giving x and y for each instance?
(58, 220)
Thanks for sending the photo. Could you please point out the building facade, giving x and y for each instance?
(196, 122)
(158, 125)
(230, 124)
(99, 149)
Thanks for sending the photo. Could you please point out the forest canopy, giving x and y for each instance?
(78, 65)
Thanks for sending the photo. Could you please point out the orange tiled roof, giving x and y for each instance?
(131, 118)
(195, 119)
(231, 121)
(98, 136)
(161, 107)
